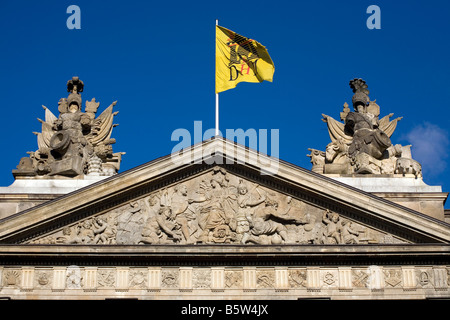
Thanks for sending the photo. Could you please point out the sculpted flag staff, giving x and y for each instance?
(239, 59)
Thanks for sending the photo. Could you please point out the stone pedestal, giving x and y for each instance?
(25, 193)
(409, 191)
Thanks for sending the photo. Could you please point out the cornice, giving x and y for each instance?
(225, 255)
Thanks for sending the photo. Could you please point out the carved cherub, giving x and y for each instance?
(85, 231)
(166, 225)
(333, 227)
(152, 232)
(66, 237)
(245, 199)
(349, 236)
(103, 231)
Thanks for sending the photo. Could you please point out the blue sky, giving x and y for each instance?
(156, 58)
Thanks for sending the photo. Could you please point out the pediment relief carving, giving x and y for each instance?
(216, 207)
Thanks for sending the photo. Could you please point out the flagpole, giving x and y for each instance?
(217, 95)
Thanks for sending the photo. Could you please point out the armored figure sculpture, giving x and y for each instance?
(76, 143)
(363, 125)
(361, 144)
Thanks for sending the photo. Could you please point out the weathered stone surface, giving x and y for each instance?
(361, 154)
(74, 144)
(361, 143)
(221, 208)
(26, 193)
(366, 280)
(205, 223)
(222, 204)
(407, 191)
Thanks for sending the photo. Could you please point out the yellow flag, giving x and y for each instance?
(240, 59)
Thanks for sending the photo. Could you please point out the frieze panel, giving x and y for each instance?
(43, 278)
(138, 278)
(360, 278)
(202, 278)
(424, 277)
(265, 279)
(65, 280)
(106, 278)
(233, 279)
(170, 278)
(330, 278)
(297, 278)
(393, 277)
(11, 278)
(74, 278)
(217, 208)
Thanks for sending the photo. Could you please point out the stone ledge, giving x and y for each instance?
(217, 249)
(386, 184)
(49, 186)
(217, 255)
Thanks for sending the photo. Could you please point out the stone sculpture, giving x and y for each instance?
(76, 143)
(216, 208)
(361, 142)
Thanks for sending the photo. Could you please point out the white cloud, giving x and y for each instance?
(430, 145)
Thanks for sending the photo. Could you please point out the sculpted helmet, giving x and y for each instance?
(361, 93)
(75, 86)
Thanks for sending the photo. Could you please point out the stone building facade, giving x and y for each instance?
(220, 221)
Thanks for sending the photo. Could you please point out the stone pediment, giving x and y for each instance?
(217, 193)
(216, 207)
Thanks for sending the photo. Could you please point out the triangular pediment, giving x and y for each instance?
(219, 192)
